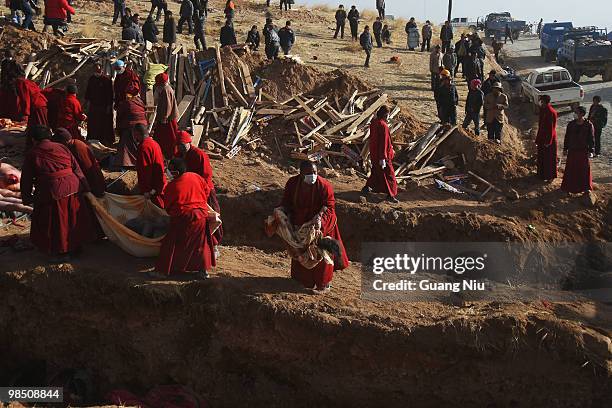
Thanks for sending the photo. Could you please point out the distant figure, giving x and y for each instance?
(186, 13)
(228, 35)
(130, 112)
(366, 43)
(546, 140)
(199, 31)
(382, 178)
(166, 115)
(287, 4)
(169, 30)
(435, 62)
(380, 7)
(497, 47)
(150, 31)
(287, 38)
(473, 68)
(598, 116)
(449, 60)
(448, 99)
(386, 35)
(413, 39)
(272, 40)
(508, 33)
(71, 114)
(56, 14)
(427, 33)
(253, 38)
(118, 10)
(377, 28)
(495, 104)
(539, 30)
(446, 36)
(473, 105)
(131, 31)
(161, 6)
(462, 48)
(27, 6)
(353, 18)
(577, 146)
(230, 11)
(99, 97)
(487, 87)
(340, 17)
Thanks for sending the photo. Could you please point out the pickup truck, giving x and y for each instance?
(553, 81)
(494, 25)
(464, 22)
(552, 39)
(589, 55)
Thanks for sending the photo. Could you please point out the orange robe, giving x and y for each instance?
(303, 202)
(188, 246)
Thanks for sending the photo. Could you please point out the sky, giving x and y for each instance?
(581, 13)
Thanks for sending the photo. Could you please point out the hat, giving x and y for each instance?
(161, 79)
(183, 137)
(475, 83)
(445, 73)
(497, 85)
(118, 64)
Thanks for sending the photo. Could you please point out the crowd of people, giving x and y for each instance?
(59, 167)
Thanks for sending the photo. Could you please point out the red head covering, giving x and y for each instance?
(183, 137)
(161, 79)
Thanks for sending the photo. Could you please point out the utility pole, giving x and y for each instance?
(450, 9)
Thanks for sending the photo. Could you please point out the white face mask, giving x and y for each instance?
(121, 71)
(310, 179)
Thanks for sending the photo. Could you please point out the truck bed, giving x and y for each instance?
(555, 87)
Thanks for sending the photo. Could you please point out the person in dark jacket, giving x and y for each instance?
(230, 11)
(287, 38)
(598, 116)
(462, 49)
(508, 33)
(271, 39)
(449, 61)
(186, 12)
(199, 31)
(446, 36)
(228, 35)
(340, 21)
(473, 105)
(132, 31)
(118, 10)
(448, 99)
(377, 28)
(353, 18)
(386, 35)
(169, 30)
(150, 30)
(286, 3)
(161, 6)
(28, 6)
(253, 39)
(380, 7)
(472, 68)
(366, 43)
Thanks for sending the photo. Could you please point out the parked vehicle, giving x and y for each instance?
(553, 81)
(494, 25)
(551, 39)
(464, 22)
(588, 55)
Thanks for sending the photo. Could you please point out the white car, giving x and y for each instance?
(553, 81)
(464, 22)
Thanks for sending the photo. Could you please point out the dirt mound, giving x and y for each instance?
(22, 42)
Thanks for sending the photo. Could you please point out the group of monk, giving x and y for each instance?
(578, 147)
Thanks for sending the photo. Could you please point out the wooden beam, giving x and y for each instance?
(197, 134)
(309, 111)
(246, 74)
(179, 78)
(236, 93)
(368, 112)
(221, 76)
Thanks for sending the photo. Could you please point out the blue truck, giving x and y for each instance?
(494, 25)
(551, 39)
(587, 55)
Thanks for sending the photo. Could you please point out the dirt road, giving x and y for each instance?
(524, 55)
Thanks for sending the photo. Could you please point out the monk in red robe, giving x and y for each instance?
(85, 158)
(166, 128)
(61, 221)
(99, 97)
(198, 162)
(310, 197)
(150, 167)
(187, 247)
(382, 179)
(130, 112)
(546, 140)
(71, 114)
(578, 145)
(126, 82)
(21, 100)
(55, 102)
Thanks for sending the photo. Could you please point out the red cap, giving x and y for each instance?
(183, 137)
(161, 79)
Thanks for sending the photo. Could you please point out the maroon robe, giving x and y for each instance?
(166, 135)
(303, 202)
(61, 220)
(198, 162)
(71, 115)
(99, 95)
(55, 100)
(89, 165)
(150, 170)
(188, 246)
(26, 103)
(381, 180)
(578, 143)
(546, 140)
(125, 83)
(130, 112)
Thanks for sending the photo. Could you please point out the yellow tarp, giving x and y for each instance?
(113, 211)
